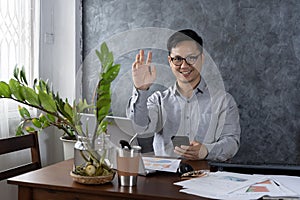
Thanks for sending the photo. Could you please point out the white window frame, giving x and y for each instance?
(19, 45)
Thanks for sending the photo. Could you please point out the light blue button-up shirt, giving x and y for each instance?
(208, 117)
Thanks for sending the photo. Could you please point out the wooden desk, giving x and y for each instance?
(54, 182)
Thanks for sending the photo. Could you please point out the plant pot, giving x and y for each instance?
(68, 147)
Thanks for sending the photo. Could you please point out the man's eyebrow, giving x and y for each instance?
(191, 54)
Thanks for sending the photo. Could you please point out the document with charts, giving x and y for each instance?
(161, 164)
(232, 186)
(222, 182)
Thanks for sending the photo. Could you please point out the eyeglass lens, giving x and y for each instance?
(190, 60)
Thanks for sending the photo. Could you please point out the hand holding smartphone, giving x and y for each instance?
(180, 140)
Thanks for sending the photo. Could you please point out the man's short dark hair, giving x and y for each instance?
(184, 35)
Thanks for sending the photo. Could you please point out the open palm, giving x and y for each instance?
(143, 73)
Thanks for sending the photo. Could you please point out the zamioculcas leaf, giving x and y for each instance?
(103, 112)
(23, 76)
(109, 59)
(46, 124)
(16, 72)
(82, 105)
(51, 118)
(29, 129)
(42, 87)
(19, 130)
(24, 112)
(79, 129)
(60, 106)
(100, 56)
(102, 102)
(47, 102)
(104, 51)
(15, 89)
(42, 118)
(34, 83)
(68, 109)
(4, 90)
(104, 96)
(30, 96)
(112, 73)
(44, 121)
(103, 89)
(109, 66)
(103, 126)
(36, 123)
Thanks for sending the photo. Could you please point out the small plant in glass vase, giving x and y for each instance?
(54, 111)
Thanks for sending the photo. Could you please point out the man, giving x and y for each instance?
(208, 117)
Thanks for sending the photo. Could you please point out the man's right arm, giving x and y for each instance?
(143, 110)
(137, 107)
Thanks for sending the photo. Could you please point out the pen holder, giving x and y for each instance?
(128, 165)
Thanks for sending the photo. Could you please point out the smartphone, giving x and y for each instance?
(180, 140)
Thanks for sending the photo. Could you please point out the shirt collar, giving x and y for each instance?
(200, 87)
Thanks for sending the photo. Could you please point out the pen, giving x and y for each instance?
(276, 183)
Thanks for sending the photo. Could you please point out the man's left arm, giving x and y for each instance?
(227, 134)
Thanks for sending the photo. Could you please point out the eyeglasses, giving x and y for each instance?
(190, 60)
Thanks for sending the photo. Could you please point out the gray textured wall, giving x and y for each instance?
(255, 44)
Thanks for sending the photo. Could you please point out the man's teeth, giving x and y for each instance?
(186, 72)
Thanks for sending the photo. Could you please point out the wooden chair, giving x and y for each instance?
(14, 144)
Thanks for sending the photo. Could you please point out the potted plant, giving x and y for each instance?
(65, 115)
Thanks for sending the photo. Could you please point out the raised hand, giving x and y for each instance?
(143, 73)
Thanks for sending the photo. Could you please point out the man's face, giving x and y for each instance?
(186, 73)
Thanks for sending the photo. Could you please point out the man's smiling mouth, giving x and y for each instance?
(186, 72)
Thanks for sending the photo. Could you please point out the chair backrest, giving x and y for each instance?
(18, 143)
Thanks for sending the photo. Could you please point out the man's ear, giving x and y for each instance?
(169, 59)
(202, 58)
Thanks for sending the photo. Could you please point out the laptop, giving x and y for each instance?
(119, 128)
(256, 168)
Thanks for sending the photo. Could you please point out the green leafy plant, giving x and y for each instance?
(109, 71)
(59, 112)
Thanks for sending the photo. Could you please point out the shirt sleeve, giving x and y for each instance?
(142, 110)
(227, 133)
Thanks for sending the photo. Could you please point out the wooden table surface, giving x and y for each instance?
(54, 182)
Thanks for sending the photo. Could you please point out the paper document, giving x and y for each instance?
(221, 182)
(161, 164)
(227, 185)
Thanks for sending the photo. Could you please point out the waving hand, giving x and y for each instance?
(143, 73)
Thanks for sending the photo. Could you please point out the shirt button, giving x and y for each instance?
(187, 117)
(131, 110)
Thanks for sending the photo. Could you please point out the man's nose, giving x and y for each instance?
(184, 64)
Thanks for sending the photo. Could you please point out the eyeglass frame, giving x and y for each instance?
(184, 59)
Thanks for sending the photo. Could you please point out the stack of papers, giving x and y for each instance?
(228, 185)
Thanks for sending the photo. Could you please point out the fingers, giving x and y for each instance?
(149, 58)
(142, 56)
(140, 59)
(137, 58)
(189, 152)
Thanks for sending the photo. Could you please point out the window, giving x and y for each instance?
(19, 42)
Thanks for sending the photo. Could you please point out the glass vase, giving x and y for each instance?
(82, 151)
(87, 151)
(105, 149)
